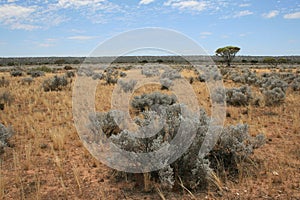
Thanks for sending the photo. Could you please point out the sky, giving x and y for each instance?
(77, 27)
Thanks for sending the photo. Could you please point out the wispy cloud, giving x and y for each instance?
(145, 2)
(271, 14)
(242, 13)
(15, 16)
(187, 4)
(243, 5)
(81, 37)
(295, 15)
(11, 12)
(50, 42)
(204, 35)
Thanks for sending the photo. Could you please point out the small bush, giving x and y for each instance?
(68, 67)
(27, 80)
(6, 98)
(296, 84)
(36, 73)
(274, 96)
(127, 86)
(170, 74)
(3, 82)
(70, 74)
(151, 101)
(43, 69)
(239, 96)
(111, 76)
(98, 76)
(123, 74)
(16, 73)
(149, 72)
(85, 72)
(5, 134)
(55, 84)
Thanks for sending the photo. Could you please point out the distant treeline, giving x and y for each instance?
(144, 59)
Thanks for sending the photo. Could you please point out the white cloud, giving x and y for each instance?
(145, 2)
(271, 14)
(295, 15)
(243, 5)
(15, 16)
(81, 37)
(27, 27)
(7, 12)
(242, 13)
(204, 35)
(187, 4)
(77, 3)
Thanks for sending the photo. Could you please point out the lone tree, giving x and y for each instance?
(227, 53)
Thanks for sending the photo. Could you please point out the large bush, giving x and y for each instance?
(196, 171)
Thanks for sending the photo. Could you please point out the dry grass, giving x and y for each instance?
(47, 159)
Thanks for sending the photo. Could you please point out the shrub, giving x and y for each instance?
(36, 73)
(149, 72)
(127, 86)
(85, 72)
(60, 62)
(210, 73)
(70, 74)
(170, 74)
(98, 76)
(274, 96)
(123, 74)
(5, 134)
(6, 98)
(195, 170)
(27, 80)
(43, 69)
(150, 101)
(273, 82)
(239, 96)
(111, 76)
(68, 67)
(166, 83)
(16, 73)
(3, 82)
(296, 84)
(55, 84)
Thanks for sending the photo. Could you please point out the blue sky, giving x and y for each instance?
(76, 27)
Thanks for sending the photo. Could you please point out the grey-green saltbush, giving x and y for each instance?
(5, 134)
(55, 84)
(239, 96)
(195, 170)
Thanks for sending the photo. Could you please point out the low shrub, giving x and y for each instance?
(239, 96)
(274, 96)
(36, 73)
(70, 74)
(6, 98)
(151, 101)
(296, 84)
(27, 80)
(16, 73)
(55, 84)
(4, 82)
(127, 86)
(5, 134)
(150, 72)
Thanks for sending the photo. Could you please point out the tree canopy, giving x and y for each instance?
(227, 53)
